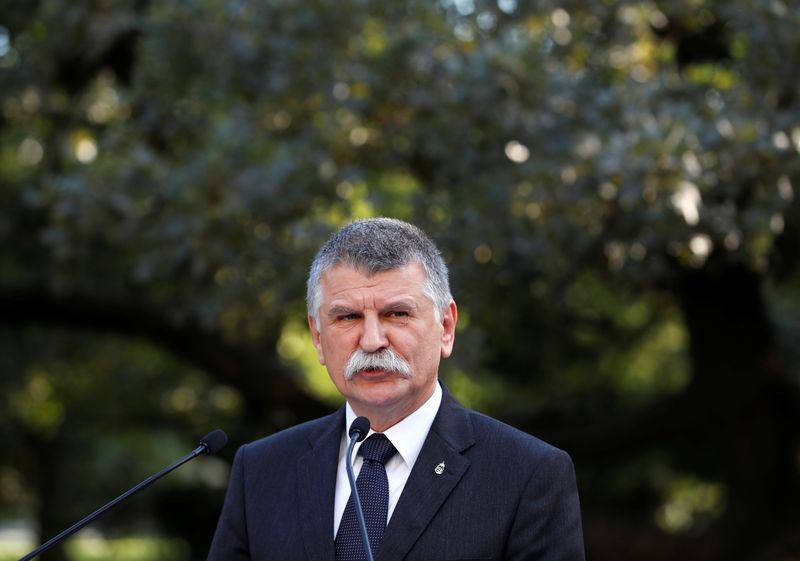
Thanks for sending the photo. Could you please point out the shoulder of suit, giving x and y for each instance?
(297, 435)
(505, 436)
(489, 435)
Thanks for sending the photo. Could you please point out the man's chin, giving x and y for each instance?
(377, 388)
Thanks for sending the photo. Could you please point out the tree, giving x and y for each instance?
(612, 185)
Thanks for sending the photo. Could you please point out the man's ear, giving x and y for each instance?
(449, 320)
(315, 338)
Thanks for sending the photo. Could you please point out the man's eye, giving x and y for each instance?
(398, 314)
(348, 317)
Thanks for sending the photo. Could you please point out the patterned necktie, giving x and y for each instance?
(373, 489)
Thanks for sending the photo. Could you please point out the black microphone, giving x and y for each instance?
(211, 443)
(358, 432)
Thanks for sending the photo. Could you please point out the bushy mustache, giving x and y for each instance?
(385, 359)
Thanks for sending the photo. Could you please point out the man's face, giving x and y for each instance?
(386, 311)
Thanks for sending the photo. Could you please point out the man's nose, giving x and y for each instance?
(373, 337)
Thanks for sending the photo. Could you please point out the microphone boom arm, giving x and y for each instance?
(356, 499)
(202, 448)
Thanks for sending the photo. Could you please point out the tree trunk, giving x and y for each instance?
(47, 480)
(747, 440)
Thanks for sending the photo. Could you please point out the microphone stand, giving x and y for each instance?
(356, 500)
(203, 448)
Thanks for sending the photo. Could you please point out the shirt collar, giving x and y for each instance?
(408, 435)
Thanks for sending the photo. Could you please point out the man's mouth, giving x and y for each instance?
(374, 370)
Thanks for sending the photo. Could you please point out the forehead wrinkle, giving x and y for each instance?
(391, 303)
(349, 289)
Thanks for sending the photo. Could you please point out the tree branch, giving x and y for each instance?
(265, 383)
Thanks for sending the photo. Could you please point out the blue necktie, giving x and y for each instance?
(373, 489)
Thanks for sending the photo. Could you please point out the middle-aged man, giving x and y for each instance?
(437, 481)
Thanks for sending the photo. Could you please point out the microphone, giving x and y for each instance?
(211, 443)
(358, 432)
(359, 428)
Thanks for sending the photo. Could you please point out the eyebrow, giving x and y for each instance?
(400, 305)
(340, 310)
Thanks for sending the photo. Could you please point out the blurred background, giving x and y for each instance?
(613, 185)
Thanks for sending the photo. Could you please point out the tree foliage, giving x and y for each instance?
(612, 185)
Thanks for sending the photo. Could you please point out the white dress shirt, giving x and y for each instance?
(407, 436)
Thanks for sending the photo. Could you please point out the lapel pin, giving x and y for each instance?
(439, 470)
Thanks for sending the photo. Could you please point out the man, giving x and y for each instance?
(456, 484)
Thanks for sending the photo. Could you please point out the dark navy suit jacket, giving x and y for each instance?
(502, 495)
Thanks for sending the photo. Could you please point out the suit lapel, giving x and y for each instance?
(426, 490)
(316, 476)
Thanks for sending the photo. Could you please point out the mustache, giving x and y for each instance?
(385, 359)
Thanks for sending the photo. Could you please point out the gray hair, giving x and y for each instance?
(376, 245)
